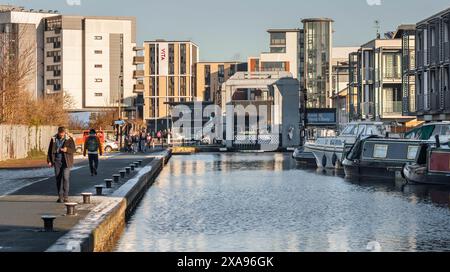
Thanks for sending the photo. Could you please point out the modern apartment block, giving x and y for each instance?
(318, 44)
(22, 34)
(93, 60)
(380, 86)
(169, 76)
(210, 77)
(284, 55)
(433, 67)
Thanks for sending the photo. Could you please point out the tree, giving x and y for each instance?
(18, 104)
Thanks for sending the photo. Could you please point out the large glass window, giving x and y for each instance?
(278, 50)
(278, 38)
(273, 66)
(392, 65)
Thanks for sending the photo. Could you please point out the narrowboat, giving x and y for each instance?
(375, 156)
(432, 165)
(328, 152)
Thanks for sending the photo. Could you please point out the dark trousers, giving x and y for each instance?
(93, 162)
(62, 174)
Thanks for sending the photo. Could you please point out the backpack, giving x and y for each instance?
(92, 144)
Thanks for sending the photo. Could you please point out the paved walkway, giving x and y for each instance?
(21, 211)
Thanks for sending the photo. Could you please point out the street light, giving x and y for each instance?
(120, 111)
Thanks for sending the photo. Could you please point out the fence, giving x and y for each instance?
(17, 141)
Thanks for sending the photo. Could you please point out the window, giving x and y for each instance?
(98, 94)
(98, 80)
(278, 50)
(98, 38)
(98, 52)
(98, 66)
(380, 151)
(278, 38)
(412, 152)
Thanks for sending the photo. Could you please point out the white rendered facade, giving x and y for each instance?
(97, 61)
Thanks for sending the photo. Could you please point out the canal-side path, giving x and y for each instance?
(21, 226)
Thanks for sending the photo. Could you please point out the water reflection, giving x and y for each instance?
(267, 202)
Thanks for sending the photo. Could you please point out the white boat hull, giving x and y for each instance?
(327, 157)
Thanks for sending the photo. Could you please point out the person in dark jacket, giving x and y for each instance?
(60, 156)
(93, 147)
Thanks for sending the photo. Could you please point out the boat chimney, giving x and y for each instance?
(438, 141)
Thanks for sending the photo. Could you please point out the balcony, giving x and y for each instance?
(57, 73)
(368, 109)
(138, 88)
(369, 75)
(138, 60)
(138, 74)
(434, 55)
(392, 108)
(56, 45)
(138, 48)
(447, 52)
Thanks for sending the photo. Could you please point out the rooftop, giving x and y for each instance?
(442, 13)
(9, 8)
(323, 19)
(272, 30)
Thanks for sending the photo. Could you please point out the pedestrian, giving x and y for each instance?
(149, 141)
(135, 143)
(159, 136)
(60, 156)
(143, 141)
(93, 147)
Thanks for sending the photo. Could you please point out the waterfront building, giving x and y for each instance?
(340, 82)
(169, 77)
(210, 77)
(93, 60)
(433, 67)
(278, 93)
(318, 44)
(22, 34)
(380, 86)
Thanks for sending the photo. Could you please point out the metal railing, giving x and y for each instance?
(434, 55)
(368, 109)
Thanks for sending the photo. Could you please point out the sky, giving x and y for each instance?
(228, 30)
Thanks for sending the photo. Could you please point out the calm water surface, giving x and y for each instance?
(266, 202)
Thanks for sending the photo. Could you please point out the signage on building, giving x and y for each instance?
(163, 59)
(322, 117)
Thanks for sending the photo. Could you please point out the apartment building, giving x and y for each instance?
(433, 67)
(318, 44)
(93, 60)
(380, 89)
(340, 82)
(22, 34)
(210, 77)
(169, 76)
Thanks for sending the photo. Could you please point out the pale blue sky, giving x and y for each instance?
(230, 29)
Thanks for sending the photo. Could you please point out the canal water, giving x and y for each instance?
(267, 202)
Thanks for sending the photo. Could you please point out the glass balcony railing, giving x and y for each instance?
(392, 107)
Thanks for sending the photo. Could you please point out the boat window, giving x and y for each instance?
(372, 130)
(349, 130)
(445, 130)
(412, 152)
(380, 151)
(425, 132)
(362, 130)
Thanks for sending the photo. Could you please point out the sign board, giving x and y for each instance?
(163, 56)
(119, 122)
(322, 117)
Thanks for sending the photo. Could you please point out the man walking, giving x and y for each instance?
(93, 147)
(60, 156)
